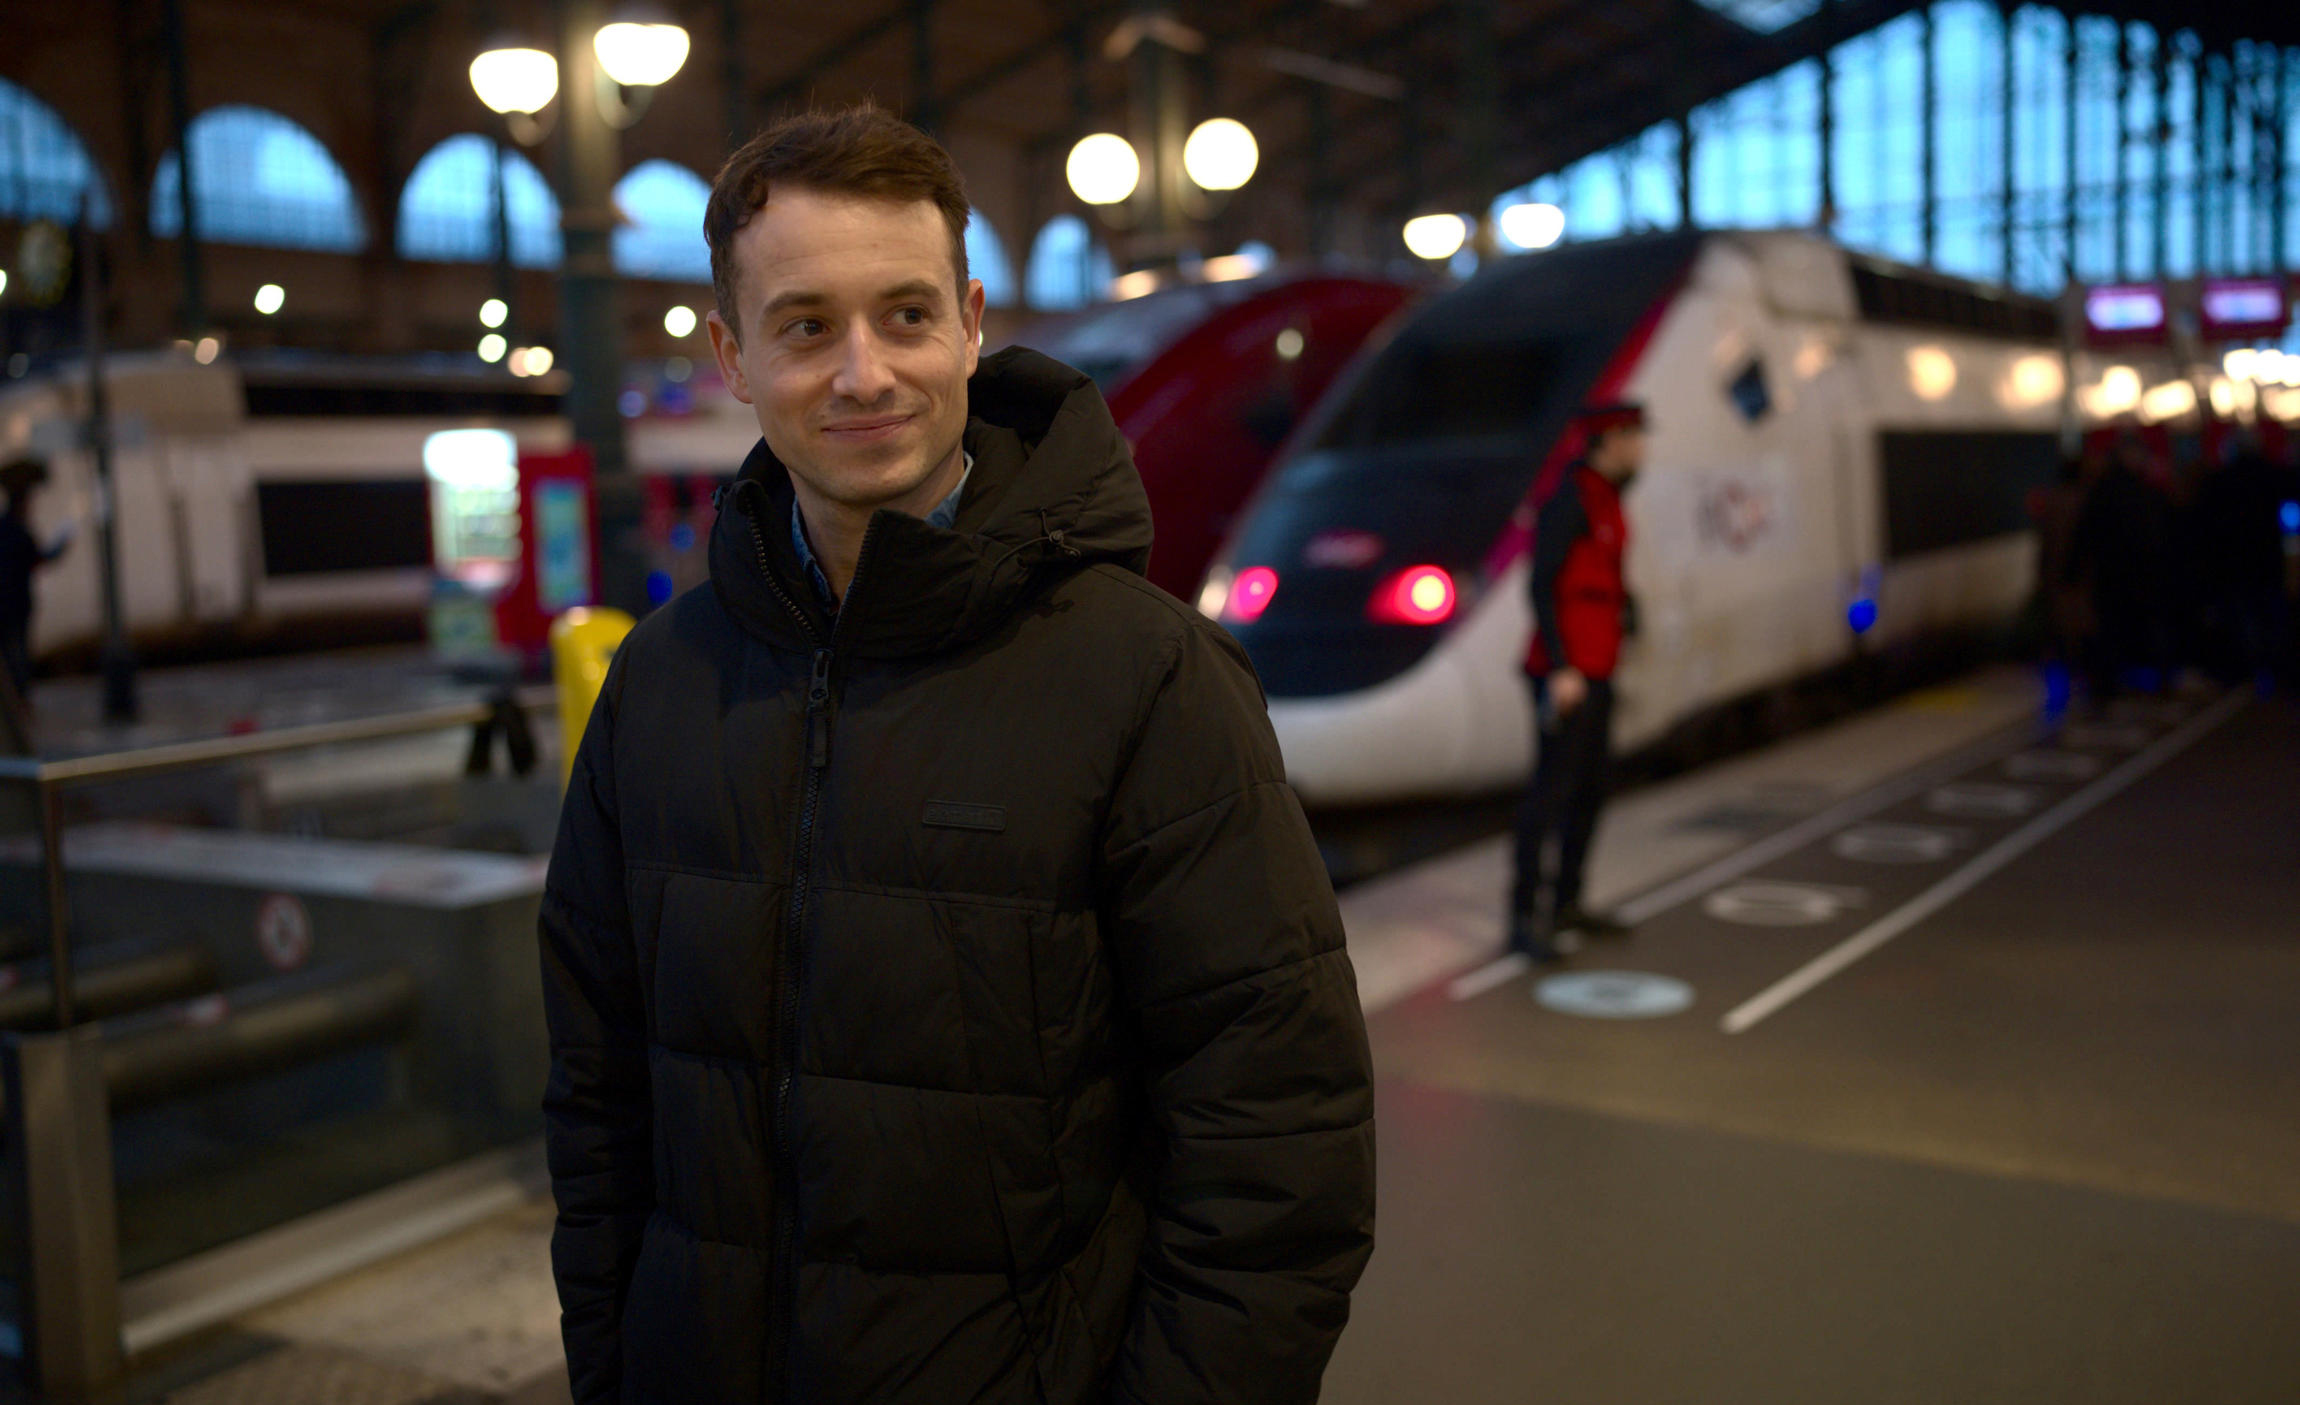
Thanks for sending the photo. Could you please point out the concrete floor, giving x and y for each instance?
(2041, 1145)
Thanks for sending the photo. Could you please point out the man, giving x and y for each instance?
(947, 1001)
(1580, 609)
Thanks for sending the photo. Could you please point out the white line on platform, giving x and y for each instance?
(1486, 977)
(1857, 807)
(1984, 864)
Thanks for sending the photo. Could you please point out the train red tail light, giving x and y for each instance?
(1415, 595)
(1250, 594)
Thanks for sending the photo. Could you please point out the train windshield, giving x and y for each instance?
(1111, 343)
(1425, 391)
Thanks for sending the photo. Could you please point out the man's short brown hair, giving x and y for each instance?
(863, 151)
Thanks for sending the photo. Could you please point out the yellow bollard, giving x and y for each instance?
(583, 640)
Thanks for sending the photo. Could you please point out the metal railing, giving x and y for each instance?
(60, 1086)
(504, 714)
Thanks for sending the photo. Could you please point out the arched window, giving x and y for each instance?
(259, 179)
(44, 167)
(661, 236)
(986, 260)
(447, 211)
(1068, 266)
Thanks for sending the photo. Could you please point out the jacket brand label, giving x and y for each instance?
(949, 814)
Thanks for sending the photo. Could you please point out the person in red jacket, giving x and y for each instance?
(1580, 609)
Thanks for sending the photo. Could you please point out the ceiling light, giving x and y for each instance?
(1221, 154)
(1436, 236)
(640, 55)
(1533, 226)
(513, 79)
(1103, 169)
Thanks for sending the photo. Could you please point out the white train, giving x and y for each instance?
(1840, 453)
(289, 492)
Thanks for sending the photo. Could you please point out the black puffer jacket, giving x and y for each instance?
(950, 1006)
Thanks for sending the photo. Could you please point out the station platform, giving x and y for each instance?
(1956, 1057)
(1976, 1083)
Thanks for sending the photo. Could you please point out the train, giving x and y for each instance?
(275, 499)
(1208, 380)
(1840, 454)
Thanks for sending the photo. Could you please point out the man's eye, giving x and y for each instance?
(806, 327)
(911, 316)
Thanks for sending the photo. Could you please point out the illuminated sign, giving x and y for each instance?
(2129, 312)
(2244, 307)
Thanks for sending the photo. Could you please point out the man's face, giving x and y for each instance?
(1619, 453)
(855, 344)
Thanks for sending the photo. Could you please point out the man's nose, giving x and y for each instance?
(863, 374)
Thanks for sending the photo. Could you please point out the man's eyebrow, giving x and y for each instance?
(799, 297)
(913, 288)
(805, 297)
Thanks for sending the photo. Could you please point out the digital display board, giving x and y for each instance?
(2244, 307)
(2125, 313)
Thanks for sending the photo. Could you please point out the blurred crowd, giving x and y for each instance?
(2156, 562)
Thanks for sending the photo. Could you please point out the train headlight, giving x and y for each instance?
(1416, 595)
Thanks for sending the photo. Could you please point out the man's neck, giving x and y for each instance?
(835, 530)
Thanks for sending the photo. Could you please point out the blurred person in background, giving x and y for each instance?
(2064, 611)
(1581, 611)
(2122, 558)
(2237, 522)
(21, 555)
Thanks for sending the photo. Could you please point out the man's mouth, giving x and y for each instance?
(864, 431)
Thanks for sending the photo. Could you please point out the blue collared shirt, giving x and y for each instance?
(945, 515)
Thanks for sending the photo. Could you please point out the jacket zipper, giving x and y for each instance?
(783, 1268)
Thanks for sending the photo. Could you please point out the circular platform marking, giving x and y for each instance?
(1896, 843)
(1614, 995)
(283, 931)
(1982, 799)
(2052, 766)
(1763, 904)
(2092, 734)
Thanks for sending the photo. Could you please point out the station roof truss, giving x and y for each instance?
(1423, 101)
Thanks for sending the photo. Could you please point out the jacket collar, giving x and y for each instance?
(1053, 489)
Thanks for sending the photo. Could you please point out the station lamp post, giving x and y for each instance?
(614, 64)
(1105, 171)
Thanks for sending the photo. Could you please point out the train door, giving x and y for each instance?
(207, 483)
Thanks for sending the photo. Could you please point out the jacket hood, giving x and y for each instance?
(1053, 490)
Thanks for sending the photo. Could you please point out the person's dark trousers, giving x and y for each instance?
(1561, 805)
(16, 655)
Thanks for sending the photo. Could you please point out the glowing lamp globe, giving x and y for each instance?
(1436, 237)
(640, 55)
(1533, 225)
(1220, 154)
(515, 80)
(1103, 169)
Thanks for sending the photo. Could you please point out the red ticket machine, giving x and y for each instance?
(514, 542)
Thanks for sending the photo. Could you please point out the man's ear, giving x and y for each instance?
(970, 317)
(727, 350)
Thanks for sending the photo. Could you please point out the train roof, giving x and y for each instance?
(1111, 341)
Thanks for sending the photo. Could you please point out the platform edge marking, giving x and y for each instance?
(1977, 870)
(1494, 973)
(2003, 742)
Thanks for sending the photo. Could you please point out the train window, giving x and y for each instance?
(1948, 489)
(1747, 391)
(1419, 392)
(314, 527)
